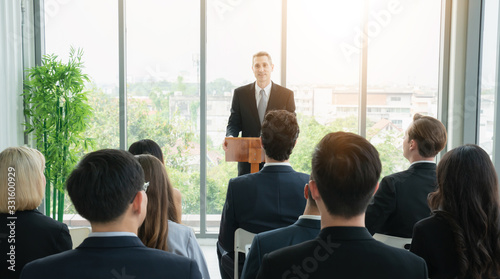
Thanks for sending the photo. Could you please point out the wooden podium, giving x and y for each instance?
(245, 150)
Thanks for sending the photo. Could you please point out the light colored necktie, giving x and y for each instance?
(262, 106)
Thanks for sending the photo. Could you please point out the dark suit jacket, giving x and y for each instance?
(269, 199)
(266, 242)
(433, 240)
(112, 257)
(34, 236)
(245, 116)
(401, 201)
(342, 252)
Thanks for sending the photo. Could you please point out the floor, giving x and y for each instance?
(209, 251)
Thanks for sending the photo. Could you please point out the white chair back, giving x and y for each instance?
(394, 241)
(242, 242)
(78, 234)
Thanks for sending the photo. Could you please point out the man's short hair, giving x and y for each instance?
(346, 168)
(21, 171)
(429, 133)
(262, 53)
(279, 133)
(146, 146)
(104, 183)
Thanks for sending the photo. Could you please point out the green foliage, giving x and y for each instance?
(58, 109)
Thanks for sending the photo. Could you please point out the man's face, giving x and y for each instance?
(262, 69)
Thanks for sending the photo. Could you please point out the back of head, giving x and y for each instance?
(153, 232)
(104, 183)
(21, 173)
(346, 168)
(279, 133)
(146, 146)
(467, 197)
(429, 133)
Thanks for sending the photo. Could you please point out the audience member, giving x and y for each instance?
(107, 188)
(401, 199)
(345, 171)
(147, 146)
(158, 231)
(25, 233)
(462, 237)
(269, 199)
(306, 228)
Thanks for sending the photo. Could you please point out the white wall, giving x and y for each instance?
(11, 74)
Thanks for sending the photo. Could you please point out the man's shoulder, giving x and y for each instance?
(244, 88)
(280, 88)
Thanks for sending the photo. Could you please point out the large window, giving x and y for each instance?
(163, 89)
(489, 74)
(323, 67)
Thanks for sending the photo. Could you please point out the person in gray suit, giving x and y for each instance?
(252, 101)
(107, 188)
(345, 170)
(306, 228)
(401, 200)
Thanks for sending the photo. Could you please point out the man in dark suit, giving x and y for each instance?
(345, 171)
(252, 101)
(401, 200)
(269, 199)
(108, 189)
(306, 228)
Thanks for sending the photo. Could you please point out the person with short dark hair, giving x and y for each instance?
(462, 237)
(25, 233)
(107, 188)
(345, 171)
(269, 199)
(401, 200)
(147, 146)
(251, 102)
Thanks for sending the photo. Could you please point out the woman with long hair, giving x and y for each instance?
(158, 230)
(462, 237)
(147, 146)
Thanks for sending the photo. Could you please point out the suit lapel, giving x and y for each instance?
(273, 98)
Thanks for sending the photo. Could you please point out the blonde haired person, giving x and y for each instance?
(25, 233)
(158, 231)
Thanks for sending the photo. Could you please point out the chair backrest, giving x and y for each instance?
(242, 242)
(394, 241)
(78, 234)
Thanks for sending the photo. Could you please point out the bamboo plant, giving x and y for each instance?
(57, 113)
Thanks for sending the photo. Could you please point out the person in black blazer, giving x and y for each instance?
(269, 199)
(107, 188)
(462, 237)
(305, 228)
(244, 108)
(25, 233)
(401, 200)
(345, 171)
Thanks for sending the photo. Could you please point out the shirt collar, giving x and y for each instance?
(111, 234)
(312, 217)
(267, 89)
(418, 162)
(277, 164)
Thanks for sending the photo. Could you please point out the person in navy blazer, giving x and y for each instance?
(108, 189)
(269, 199)
(401, 200)
(306, 228)
(244, 114)
(345, 171)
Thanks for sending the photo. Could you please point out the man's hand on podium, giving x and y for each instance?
(224, 144)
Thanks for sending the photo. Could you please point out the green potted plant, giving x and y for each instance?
(57, 113)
